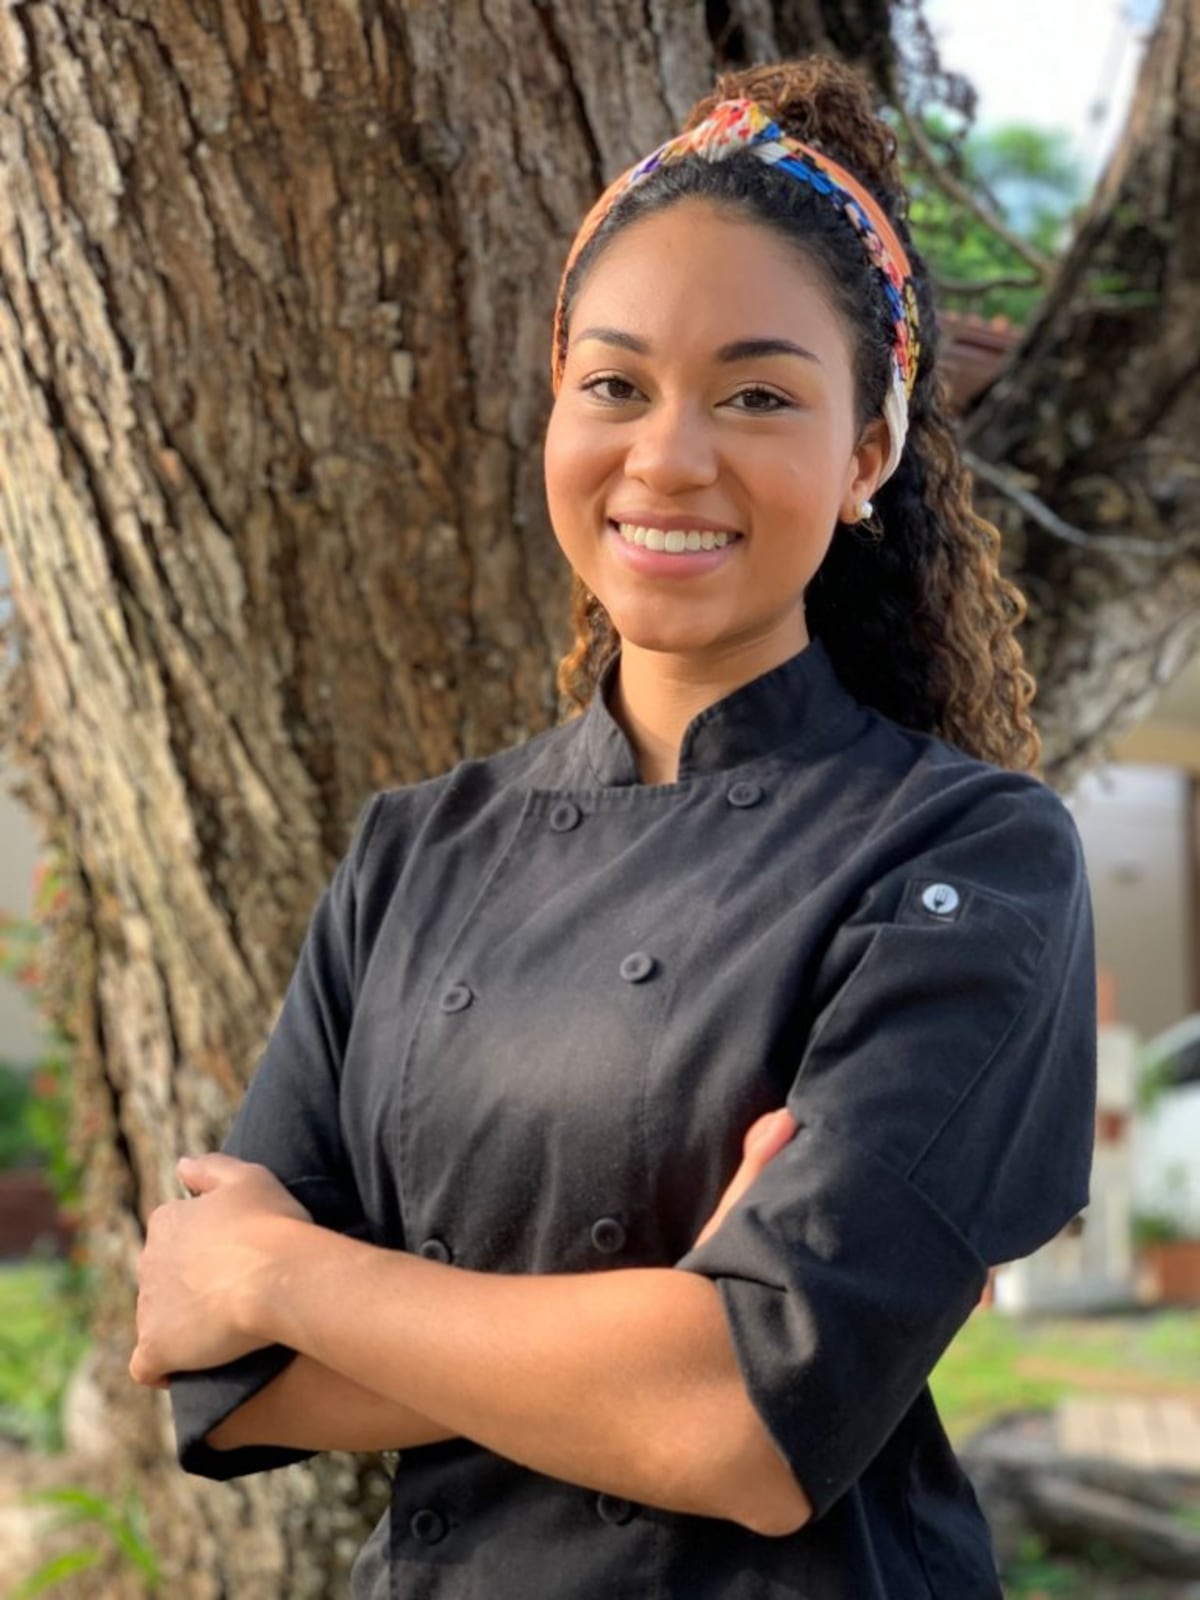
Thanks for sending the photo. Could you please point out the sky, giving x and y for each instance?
(1067, 64)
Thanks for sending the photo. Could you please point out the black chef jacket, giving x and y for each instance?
(534, 1014)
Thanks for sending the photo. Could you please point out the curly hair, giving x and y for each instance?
(912, 607)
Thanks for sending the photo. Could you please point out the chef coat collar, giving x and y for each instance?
(801, 703)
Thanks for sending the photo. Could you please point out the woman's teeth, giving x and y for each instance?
(676, 541)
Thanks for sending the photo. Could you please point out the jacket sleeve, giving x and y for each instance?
(946, 1102)
(289, 1122)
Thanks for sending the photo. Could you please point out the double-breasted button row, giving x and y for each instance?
(611, 1508)
(428, 1525)
(635, 968)
(565, 814)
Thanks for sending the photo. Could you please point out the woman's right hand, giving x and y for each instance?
(764, 1138)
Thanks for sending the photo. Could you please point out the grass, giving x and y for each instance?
(1000, 1363)
(1098, 1574)
(43, 1334)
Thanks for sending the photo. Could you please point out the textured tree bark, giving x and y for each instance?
(1099, 410)
(275, 289)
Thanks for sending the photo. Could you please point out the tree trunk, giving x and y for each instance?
(275, 291)
(1098, 412)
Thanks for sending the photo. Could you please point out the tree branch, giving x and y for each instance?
(961, 195)
(981, 286)
(1038, 511)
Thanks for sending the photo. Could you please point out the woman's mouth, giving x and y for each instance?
(675, 541)
(673, 552)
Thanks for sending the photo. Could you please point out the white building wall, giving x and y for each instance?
(1135, 823)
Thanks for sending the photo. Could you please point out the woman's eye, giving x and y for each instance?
(614, 390)
(761, 400)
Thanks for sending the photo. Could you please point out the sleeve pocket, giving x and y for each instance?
(931, 999)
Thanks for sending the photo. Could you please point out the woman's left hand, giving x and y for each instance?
(200, 1259)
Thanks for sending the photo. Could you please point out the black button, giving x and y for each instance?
(745, 794)
(457, 997)
(611, 1508)
(637, 966)
(436, 1250)
(608, 1234)
(564, 816)
(428, 1525)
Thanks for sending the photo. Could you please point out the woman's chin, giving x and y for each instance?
(669, 636)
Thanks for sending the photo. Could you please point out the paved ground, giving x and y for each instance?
(1158, 1435)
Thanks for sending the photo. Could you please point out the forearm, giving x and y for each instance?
(308, 1406)
(621, 1381)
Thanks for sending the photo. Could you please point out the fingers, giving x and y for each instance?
(767, 1137)
(201, 1174)
(143, 1373)
(764, 1139)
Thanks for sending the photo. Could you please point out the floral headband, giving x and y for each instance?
(736, 125)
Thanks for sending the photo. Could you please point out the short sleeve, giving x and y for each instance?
(289, 1122)
(946, 1107)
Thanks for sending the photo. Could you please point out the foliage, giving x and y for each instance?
(1156, 1077)
(1093, 1573)
(44, 1312)
(19, 1145)
(1156, 1227)
(1025, 176)
(46, 1122)
(122, 1533)
(1173, 1219)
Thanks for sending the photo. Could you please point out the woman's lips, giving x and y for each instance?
(670, 564)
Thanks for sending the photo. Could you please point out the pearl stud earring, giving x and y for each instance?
(865, 510)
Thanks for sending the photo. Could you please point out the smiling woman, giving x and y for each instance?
(651, 1099)
(709, 390)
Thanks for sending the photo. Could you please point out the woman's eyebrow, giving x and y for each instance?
(752, 349)
(738, 350)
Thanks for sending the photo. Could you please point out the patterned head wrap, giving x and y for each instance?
(736, 125)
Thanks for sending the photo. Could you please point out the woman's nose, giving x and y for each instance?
(672, 449)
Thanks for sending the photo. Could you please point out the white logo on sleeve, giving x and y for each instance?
(940, 898)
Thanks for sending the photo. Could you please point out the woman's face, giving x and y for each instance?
(707, 392)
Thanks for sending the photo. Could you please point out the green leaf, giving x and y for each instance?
(55, 1571)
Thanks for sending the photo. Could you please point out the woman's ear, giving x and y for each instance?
(866, 468)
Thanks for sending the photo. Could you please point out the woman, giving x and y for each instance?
(790, 871)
